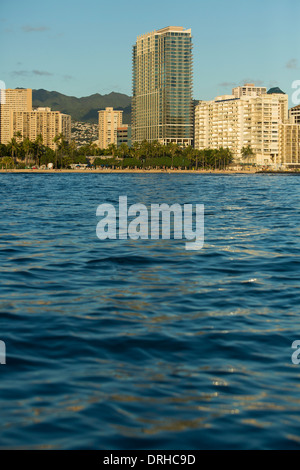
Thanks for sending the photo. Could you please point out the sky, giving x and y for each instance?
(83, 47)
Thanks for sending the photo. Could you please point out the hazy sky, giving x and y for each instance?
(84, 47)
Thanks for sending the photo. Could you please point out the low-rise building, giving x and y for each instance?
(124, 135)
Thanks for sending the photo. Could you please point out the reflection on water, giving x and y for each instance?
(142, 344)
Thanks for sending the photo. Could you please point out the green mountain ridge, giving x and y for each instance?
(83, 109)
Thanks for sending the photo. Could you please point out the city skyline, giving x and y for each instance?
(233, 44)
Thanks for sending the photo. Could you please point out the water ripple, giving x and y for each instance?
(142, 344)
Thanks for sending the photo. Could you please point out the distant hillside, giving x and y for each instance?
(82, 109)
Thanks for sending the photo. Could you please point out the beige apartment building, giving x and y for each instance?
(41, 121)
(11, 101)
(109, 121)
(289, 144)
(256, 120)
(17, 115)
(294, 115)
(289, 139)
(249, 89)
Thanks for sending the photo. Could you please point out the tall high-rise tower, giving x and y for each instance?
(109, 120)
(162, 106)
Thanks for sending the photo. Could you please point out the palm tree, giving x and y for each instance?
(7, 161)
(26, 144)
(210, 157)
(13, 147)
(3, 150)
(157, 149)
(112, 148)
(72, 147)
(59, 145)
(196, 155)
(123, 150)
(228, 157)
(247, 152)
(55, 141)
(18, 135)
(93, 148)
(202, 155)
(173, 150)
(38, 144)
(188, 153)
(135, 150)
(145, 150)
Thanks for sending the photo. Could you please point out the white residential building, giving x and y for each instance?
(241, 120)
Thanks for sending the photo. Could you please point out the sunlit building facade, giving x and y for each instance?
(41, 121)
(236, 121)
(19, 120)
(294, 114)
(289, 145)
(124, 135)
(249, 89)
(162, 106)
(109, 121)
(12, 100)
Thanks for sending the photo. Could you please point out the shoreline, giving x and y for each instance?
(141, 171)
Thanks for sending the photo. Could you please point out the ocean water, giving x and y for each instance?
(123, 344)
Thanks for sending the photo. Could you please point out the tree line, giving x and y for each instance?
(24, 153)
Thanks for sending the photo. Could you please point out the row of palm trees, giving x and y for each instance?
(156, 154)
(144, 154)
(27, 151)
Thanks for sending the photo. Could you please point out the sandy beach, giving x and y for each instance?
(109, 170)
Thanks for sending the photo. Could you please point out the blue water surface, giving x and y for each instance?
(123, 344)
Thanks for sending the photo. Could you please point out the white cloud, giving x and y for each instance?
(34, 29)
